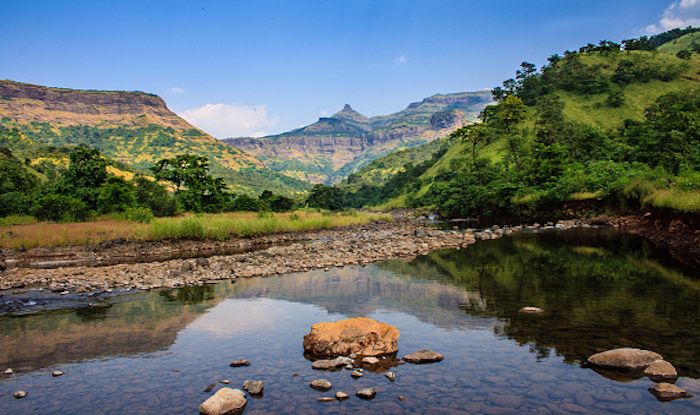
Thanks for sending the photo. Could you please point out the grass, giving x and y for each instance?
(201, 227)
(679, 200)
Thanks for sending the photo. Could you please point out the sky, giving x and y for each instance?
(251, 68)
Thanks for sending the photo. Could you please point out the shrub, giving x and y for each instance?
(60, 208)
(139, 214)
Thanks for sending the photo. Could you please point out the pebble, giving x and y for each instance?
(56, 373)
(210, 387)
(401, 398)
(341, 396)
(326, 399)
(391, 376)
(254, 387)
(9, 371)
(225, 381)
(239, 363)
(20, 394)
(366, 393)
(531, 310)
(321, 384)
(356, 374)
(370, 360)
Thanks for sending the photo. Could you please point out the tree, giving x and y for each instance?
(196, 189)
(116, 195)
(325, 197)
(684, 54)
(151, 195)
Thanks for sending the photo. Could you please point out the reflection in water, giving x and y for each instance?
(155, 352)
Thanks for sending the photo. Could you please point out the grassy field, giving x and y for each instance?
(24, 233)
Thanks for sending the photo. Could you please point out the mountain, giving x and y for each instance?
(134, 128)
(599, 125)
(333, 147)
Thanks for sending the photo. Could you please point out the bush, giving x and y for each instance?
(139, 214)
(115, 196)
(60, 208)
(155, 197)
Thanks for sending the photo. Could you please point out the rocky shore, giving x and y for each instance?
(82, 268)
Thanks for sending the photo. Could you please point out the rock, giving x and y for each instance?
(401, 398)
(356, 374)
(366, 393)
(239, 363)
(225, 381)
(202, 262)
(254, 387)
(321, 384)
(531, 310)
(341, 396)
(661, 370)
(224, 401)
(9, 371)
(362, 336)
(625, 358)
(325, 364)
(57, 373)
(391, 376)
(667, 392)
(20, 394)
(423, 356)
(370, 360)
(210, 387)
(326, 399)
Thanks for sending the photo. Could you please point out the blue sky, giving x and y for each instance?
(253, 67)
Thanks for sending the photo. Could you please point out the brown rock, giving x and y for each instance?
(661, 370)
(326, 399)
(254, 387)
(321, 384)
(362, 336)
(667, 392)
(341, 396)
(366, 393)
(20, 394)
(625, 358)
(423, 356)
(239, 363)
(224, 402)
(531, 310)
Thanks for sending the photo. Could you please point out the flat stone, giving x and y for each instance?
(56, 373)
(254, 387)
(423, 356)
(321, 384)
(360, 336)
(366, 393)
(531, 310)
(9, 371)
(20, 394)
(667, 392)
(225, 401)
(341, 396)
(325, 364)
(356, 374)
(225, 381)
(210, 387)
(661, 370)
(326, 399)
(370, 360)
(391, 376)
(239, 363)
(625, 358)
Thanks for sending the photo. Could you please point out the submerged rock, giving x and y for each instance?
(366, 393)
(391, 376)
(661, 370)
(423, 356)
(667, 392)
(20, 394)
(254, 387)
(321, 384)
(210, 387)
(530, 310)
(224, 402)
(625, 358)
(361, 336)
(325, 364)
(326, 399)
(239, 363)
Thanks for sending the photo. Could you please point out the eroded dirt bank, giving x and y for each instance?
(83, 269)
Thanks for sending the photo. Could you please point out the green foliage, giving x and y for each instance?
(61, 208)
(276, 203)
(155, 197)
(139, 214)
(325, 197)
(684, 54)
(115, 195)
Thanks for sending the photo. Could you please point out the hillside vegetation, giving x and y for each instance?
(617, 124)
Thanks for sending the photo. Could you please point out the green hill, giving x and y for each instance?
(603, 123)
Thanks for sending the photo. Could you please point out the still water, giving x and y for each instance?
(155, 352)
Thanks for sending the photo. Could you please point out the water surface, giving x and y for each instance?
(155, 352)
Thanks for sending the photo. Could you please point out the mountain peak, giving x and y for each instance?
(347, 113)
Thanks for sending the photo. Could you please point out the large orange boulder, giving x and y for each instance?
(360, 336)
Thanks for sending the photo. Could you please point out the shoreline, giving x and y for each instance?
(172, 264)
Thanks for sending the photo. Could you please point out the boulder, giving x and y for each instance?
(254, 387)
(667, 392)
(661, 370)
(224, 401)
(361, 336)
(423, 356)
(366, 393)
(626, 358)
(321, 384)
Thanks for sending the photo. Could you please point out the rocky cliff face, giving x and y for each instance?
(333, 147)
(135, 128)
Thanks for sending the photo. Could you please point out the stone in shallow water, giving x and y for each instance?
(341, 396)
(661, 370)
(667, 392)
(239, 363)
(224, 402)
(391, 376)
(325, 364)
(356, 374)
(56, 373)
(326, 399)
(366, 393)
(9, 371)
(531, 310)
(360, 336)
(423, 356)
(210, 387)
(20, 394)
(254, 387)
(370, 360)
(625, 358)
(321, 384)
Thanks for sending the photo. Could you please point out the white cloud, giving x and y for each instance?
(681, 14)
(177, 90)
(231, 120)
(401, 60)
